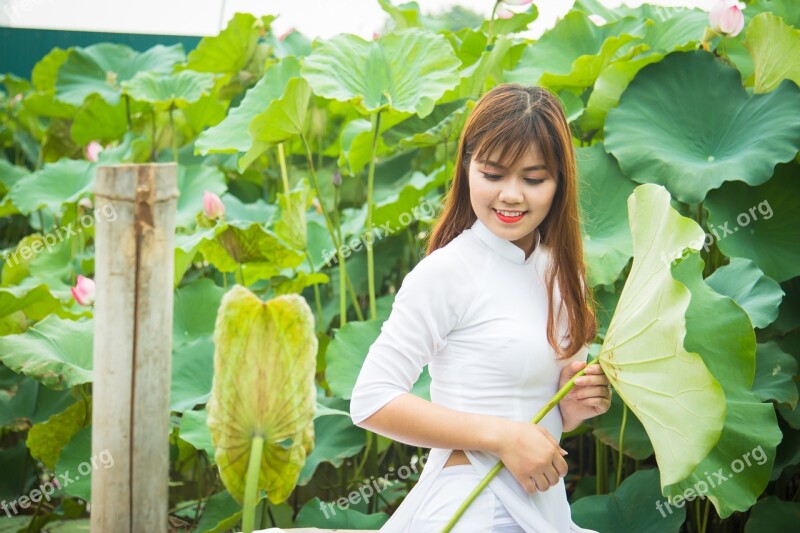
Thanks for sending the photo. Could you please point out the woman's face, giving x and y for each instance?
(527, 191)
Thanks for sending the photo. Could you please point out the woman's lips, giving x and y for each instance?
(507, 219)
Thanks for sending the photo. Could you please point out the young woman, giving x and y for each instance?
(498, 310)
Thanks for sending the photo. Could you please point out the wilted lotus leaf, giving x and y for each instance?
(264, 363)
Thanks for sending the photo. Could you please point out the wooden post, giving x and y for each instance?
(134, 256)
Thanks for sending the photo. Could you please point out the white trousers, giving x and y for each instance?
(486, 514)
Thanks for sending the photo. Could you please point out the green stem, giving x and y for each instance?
(128, 111)
(490, 37)
(705, 516)
(621, 442)
(376, 124)
(329, 225)
(251, 485)
(342, 269)
(497, 467)
(174, 135)
(284, 173)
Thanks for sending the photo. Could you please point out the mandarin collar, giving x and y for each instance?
(504, 247)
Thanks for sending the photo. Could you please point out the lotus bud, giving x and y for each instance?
(213, 206)
(93, 149)
(83, 291)
(726, 17)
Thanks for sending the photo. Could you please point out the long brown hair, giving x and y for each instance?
(512, 117)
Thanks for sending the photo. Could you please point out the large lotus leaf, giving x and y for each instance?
(233, 48)
(318, 514)
(232, 134)
(683, 415)
(101, 68)
(10, 174)
(77, 451)
(30, 403)
(194, 430)
(773, 515)
(632, 508)
(480, 76)
(336, 439)
(46, 439)
(785, 9)
(192, 372)
(64, 181)
(346, 354)
(775, 371)
(97, 120)
(193, 181)
(743, 282)
(355, 143)
(55, 352)
(573, 53)
(606, 427)
(35, 302)
(406, 71)
(188, 245)
(519, 21)
(195, 310)
(45, 71)
(167, 91)
(720, 331)
(677, 33)
(775, 47)
(712, 132)
(603, 195)
(760, 223)
(400, 202)
(250, 244)
(443, 125)
(264, 365)
(283, 119)
(291, 224)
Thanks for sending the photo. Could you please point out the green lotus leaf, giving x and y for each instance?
(233, 48)
(516, 23)
(785, 9)
(483, 74)
(721, 332)
(72, 455)
(336, 440)
(721, 133)
(31, 403)
(232, 134)
(743, 282)
(680, 32)
(682, 415)
(283, 119)
(604, 192)
(97, 120)
(443, 125)
(760, 223)
(772, 515)
(264, 365)
(632, 507)
(775, 48)
(574, 52)
(775, 371)
(318, 514)
(195, 311)
(64, 181)
(194, 430)
(355, 142)
(400, 202)
(101, 68)
(35, 303)
(169, 91)
(55, 352)
(47, 439)
(221, 513)
(45, 71)
(291, 224)
(250, 245)
(407, 71)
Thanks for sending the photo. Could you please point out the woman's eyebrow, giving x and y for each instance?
(498, 165)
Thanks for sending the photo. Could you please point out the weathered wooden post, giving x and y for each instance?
(133, 345)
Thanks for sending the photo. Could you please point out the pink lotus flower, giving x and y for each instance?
(93, 149)
(517, 2)
(83, 291)
(726, 17)
(503, 13)
(212, 205)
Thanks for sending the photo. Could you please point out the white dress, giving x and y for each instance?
(474, 311)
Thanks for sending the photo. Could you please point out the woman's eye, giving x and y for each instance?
(491, 176)
(533, 181)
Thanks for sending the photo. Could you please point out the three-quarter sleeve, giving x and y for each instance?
(425, 309)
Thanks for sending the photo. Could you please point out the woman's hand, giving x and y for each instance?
(532, 455)
(591, 395)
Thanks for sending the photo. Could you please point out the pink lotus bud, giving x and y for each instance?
(212, 205)
(726, 17)
(83, 291)
(285, 34)
(93, 149)
(337, 178)
(517, 2)
(503, 13)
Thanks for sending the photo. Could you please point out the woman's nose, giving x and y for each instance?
(510, 193)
